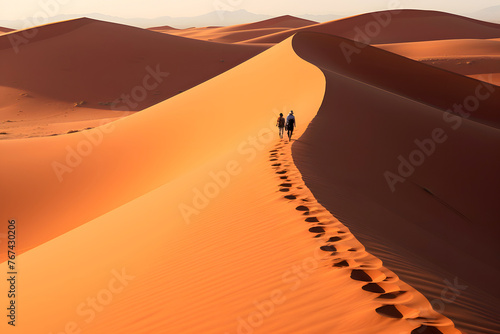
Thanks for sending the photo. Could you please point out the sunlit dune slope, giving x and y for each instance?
(417, 184)
(57, 73)
(396, 26)
(255, 253)
(478, 58)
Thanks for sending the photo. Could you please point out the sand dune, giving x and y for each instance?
(397, 26)
(4, 30)
(95, 72)
(261, 254)
(476, 58)
(240, 32)
(439, 223)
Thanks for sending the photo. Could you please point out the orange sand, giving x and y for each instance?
(190, 215)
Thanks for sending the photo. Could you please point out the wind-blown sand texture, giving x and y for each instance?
(188, 213)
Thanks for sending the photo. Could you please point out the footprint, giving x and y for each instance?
(317, 229)
(284, 177)
(392, 295)
(367, 275)
(291, 197)
(334, 239)
(276, 165)
(328, 248)
(341, 264)
(389, 311)
(284, 190)
(426, 330)
(287, 185)
(273, 159)
(398, 311)
(281, 172)
(302, 208)
(274, 151)
(373, 287)
(312, 220)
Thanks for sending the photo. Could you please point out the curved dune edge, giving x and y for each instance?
(396, 26)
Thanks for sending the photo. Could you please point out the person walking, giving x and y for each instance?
(290, 124)
(280, 123)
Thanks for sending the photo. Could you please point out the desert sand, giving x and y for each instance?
(188, 214)
(4, 30)
(387, 27)
(240, 32)
(71, 75)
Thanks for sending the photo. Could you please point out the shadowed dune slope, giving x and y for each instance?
(385, 113)
(396, 26)
(4, 30)
(97, 61)
(445, 48)
(80, 73)
(415, 81)
(478, 58)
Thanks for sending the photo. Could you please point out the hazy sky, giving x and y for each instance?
(19, 9)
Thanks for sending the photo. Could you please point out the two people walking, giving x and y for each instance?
(288, 124)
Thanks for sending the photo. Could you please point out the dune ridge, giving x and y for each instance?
(387, 27)
(96, 73)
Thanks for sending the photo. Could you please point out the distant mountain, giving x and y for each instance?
(490, 14)
(217, 18)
